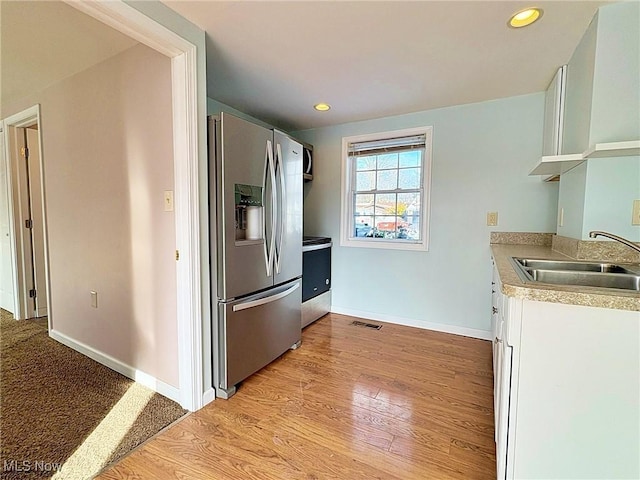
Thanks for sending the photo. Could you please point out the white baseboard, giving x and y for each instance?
(6, 301)
(208, 396)
(142, 378)
(409, 322)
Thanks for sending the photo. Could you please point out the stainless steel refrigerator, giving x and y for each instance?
(256, 188)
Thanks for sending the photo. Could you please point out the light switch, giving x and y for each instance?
(94, 299)
(492, 219)
(635, 216)
(561, 218)
(168, 200)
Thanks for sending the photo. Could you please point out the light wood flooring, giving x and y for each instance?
(351, 403)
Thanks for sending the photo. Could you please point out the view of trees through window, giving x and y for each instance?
(387, 194)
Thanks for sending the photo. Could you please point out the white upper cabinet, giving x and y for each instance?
(553, 114)
(553, 162)
(615, 103)
(599, 97)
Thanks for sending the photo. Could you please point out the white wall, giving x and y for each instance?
(571, 201)
(612, 184)
(108, 158)
(481, 156)
(165, 16)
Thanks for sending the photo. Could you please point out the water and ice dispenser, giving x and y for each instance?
(249, 212)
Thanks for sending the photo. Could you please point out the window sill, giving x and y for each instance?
(387, 245)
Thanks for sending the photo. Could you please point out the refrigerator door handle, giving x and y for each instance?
(269, 245)
(262, 301)
(281, 206)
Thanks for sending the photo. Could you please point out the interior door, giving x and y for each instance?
(34, 175)
(21, 215)
(288, 155)
(6, 254)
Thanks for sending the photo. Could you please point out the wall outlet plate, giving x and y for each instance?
(492, 219)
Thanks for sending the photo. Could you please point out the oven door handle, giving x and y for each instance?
(311, 248)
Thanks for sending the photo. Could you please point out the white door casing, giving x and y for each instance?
(13, 128)
(6, 252)
(189, 134)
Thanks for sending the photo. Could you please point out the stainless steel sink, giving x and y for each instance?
(587, 279)
(577, 266)
(589, 274)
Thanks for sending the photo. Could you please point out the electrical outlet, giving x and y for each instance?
(492, 219)
(94, 299)
(561, 218)
(635, 216)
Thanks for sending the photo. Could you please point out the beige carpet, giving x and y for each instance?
(62, 415)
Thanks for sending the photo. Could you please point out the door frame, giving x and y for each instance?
(189, 130)
(23, 119)
(37, 210)
(7, 186)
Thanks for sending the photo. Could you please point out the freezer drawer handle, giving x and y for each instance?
(265, 300)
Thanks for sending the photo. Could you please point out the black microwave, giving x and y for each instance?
(307, 162)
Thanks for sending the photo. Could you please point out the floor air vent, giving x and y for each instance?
(368, 325)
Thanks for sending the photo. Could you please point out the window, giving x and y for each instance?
(385, 196)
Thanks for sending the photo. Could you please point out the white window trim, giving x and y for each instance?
(346, 213)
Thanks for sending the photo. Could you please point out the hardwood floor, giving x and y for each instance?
(351, 403)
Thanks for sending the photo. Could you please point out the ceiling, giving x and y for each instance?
(275, 60)
(44, 42)
(370, 59)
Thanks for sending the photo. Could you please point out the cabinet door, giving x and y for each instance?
(553, 114)
(497, 383)
(502, 414)
(496, 328)
(495, 322)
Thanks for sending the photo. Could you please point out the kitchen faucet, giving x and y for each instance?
(624, 241)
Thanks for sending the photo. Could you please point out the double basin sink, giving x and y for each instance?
(588, 274)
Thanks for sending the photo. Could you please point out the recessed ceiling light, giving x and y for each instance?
(525, 17)
(322, 107)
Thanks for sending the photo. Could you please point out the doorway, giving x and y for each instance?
(24, 272)
(168, 33)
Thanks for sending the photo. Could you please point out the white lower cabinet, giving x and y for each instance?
(566, 390)
(502, 373)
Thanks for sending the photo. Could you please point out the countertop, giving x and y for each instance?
(512, 286)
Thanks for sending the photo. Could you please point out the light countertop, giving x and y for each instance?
(512, 286)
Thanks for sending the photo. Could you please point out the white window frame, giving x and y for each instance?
(346, 216)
